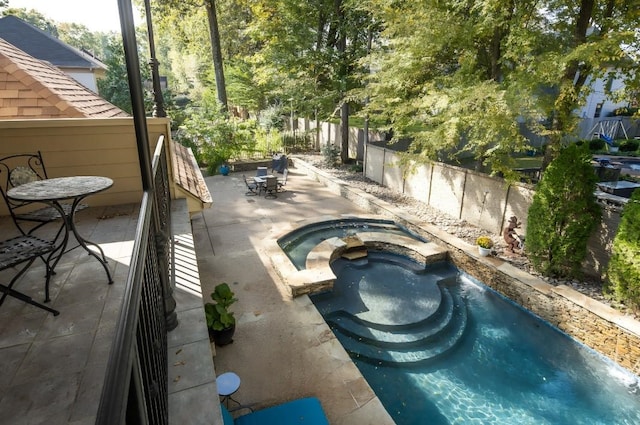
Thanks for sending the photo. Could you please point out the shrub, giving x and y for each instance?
(596, 145)
(563, 214)
(623, 275)
(331, 154)
(214, 137)
(624, 112)
(629, 145)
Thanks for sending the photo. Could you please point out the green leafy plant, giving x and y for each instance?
(484, 242)
(563, 214)
(596, 145)
(629, 145)
(217, 313)
(623, 275)
(331, 154)
(214, 137)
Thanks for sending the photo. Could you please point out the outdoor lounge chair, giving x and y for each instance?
(252, 186)
(283, 181)
(303, 411)
(25, 249)
(271, 187)
(19, 169)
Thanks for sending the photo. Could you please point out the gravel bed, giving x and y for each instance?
(459, 228)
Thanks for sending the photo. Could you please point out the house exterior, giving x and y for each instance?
(599, 104)
(33, 89)
(78, 65)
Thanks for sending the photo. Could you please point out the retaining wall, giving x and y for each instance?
(484, 201)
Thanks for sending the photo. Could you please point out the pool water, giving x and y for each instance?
(439, 348)
(300, 242)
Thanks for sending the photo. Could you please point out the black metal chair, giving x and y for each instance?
(252, 186)
(19, 169)
(25, 249)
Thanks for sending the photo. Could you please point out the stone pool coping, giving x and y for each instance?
(606, 330)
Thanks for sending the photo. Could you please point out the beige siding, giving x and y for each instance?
(104, 147)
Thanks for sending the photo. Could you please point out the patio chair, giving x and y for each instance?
(271, 187)
(25, 249)
(252, 186)
(261, 171)
(304, 411)
(19, 169)
(282, 182)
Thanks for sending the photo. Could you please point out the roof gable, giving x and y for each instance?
(43, 46)
(30, 88)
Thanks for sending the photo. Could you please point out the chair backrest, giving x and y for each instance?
(19, 169)
(261, 171)
(272, 183)
(250, 183)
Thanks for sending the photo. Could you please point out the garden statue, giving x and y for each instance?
(513, 240)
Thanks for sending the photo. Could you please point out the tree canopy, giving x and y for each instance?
(455, 78)
(464, 76)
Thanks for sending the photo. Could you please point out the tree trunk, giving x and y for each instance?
(344, 130)
(217, 53)
(570, 86)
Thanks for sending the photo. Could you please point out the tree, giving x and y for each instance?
(463, 77)
(563, 214)
(216, 51)
(175, 9)
(80, 37)
(308, 53)
(443, 77)
(593, 38)
(623, 273)
(114, 87)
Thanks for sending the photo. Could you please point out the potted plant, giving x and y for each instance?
(484, 245)
(224, 169)
(220, 321)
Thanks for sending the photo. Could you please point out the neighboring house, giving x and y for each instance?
(599, 104)
(78, 65)
(597, 114)
(31, 89)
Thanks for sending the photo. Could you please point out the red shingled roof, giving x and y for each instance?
(187, 174)
(30, 88)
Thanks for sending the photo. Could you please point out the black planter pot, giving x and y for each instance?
(223, 337)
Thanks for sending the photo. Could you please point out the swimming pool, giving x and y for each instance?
(633, 164)
(299, 243)
(439, 347)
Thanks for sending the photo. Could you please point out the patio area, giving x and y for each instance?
(282, 347)
(53, 366)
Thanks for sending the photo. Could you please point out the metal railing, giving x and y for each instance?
(135, 389)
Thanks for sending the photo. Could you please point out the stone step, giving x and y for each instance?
(386, 335)
(355, 255)
(429, 350)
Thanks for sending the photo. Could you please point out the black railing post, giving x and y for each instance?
(158, 100)
(135, 88)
